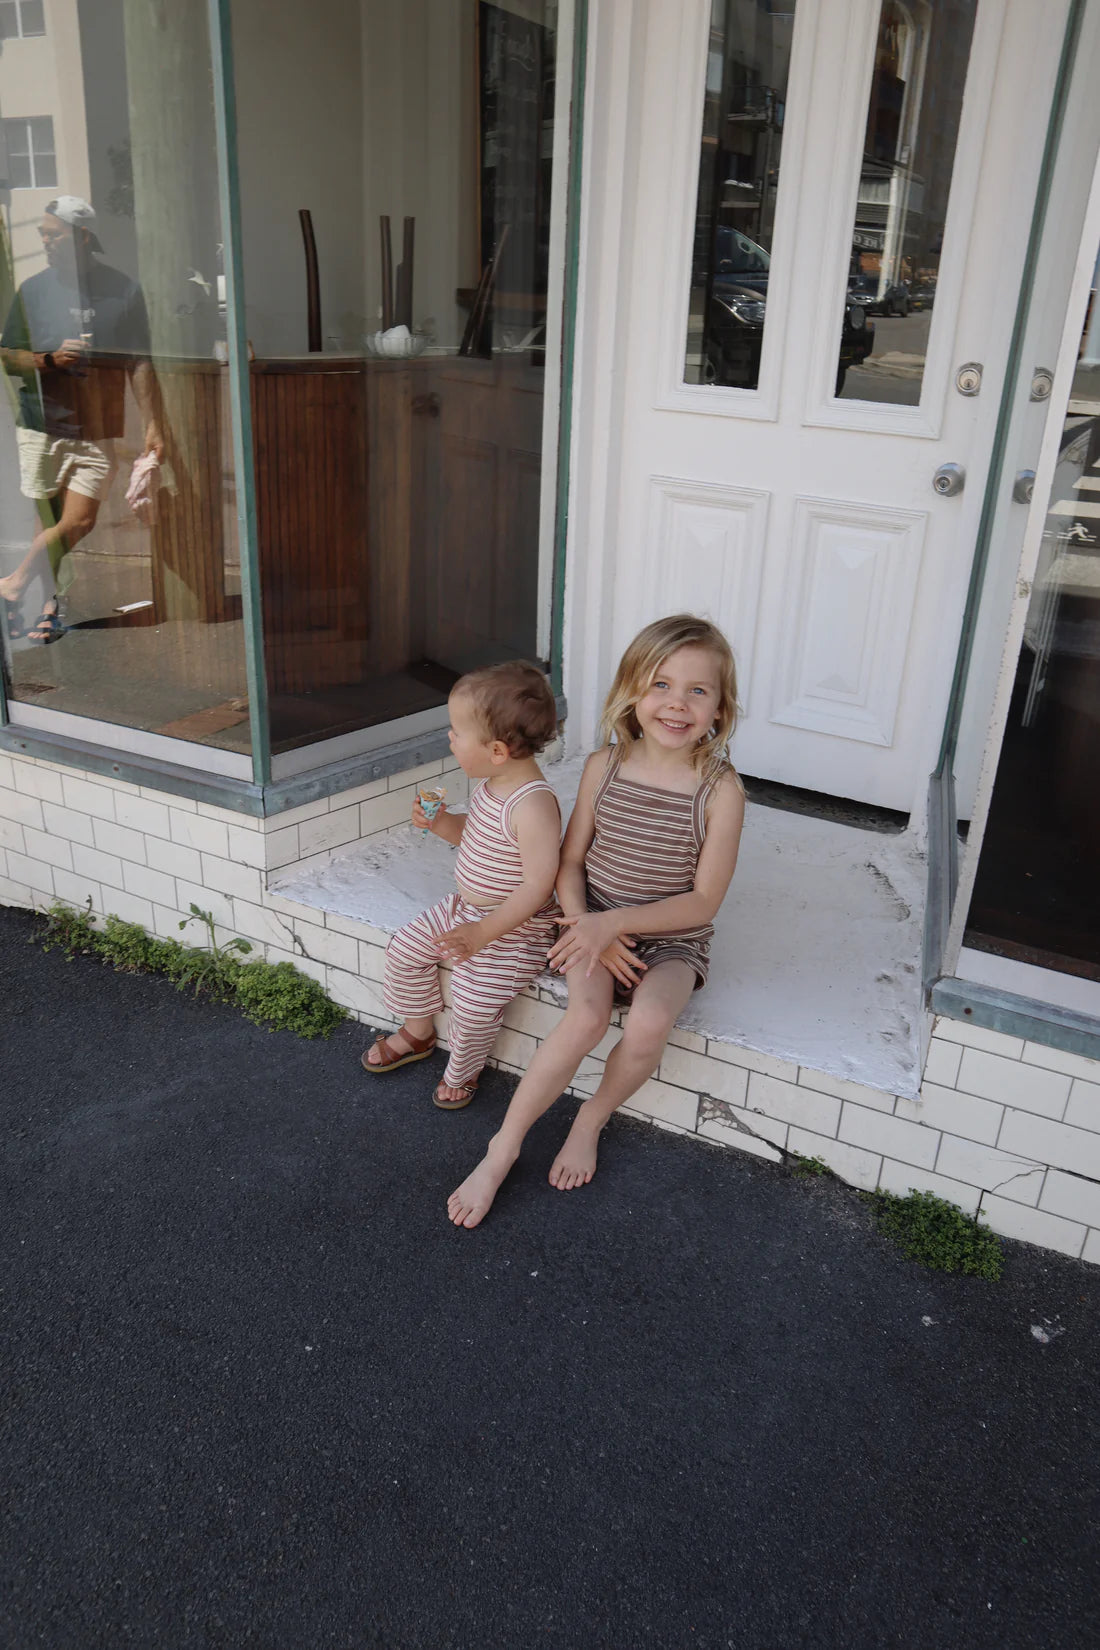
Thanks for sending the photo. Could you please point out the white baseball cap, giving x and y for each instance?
(77, 213)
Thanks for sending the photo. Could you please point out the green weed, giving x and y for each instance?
(936, 1233)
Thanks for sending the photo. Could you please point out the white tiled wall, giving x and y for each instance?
(1009, 1125)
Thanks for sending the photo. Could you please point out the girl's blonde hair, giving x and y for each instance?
(638, 668)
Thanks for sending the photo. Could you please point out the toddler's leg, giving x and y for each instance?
(552, 1068)
(411, 983)
(659, 998)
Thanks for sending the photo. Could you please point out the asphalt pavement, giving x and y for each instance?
(258, 1392)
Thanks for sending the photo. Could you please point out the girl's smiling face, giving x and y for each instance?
(679, 707)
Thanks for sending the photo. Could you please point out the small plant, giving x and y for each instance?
(805, 1167)
(936, 1233)
(271, 994)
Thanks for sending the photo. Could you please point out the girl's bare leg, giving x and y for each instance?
(551, 1070)
(659, 999)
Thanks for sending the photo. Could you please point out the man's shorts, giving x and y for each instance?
(50, 464)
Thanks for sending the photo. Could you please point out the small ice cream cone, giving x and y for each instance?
(430, 801)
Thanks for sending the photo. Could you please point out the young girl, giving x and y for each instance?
(646, 862)
(497, 928)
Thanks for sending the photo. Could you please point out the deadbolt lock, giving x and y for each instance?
(968, 379)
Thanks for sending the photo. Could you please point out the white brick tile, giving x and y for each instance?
(1091, 1251)
(207, 899)
(687, 1039)
(31, 873)
(173, 860)
(384, 812)
(7, 773)
(769, 1065)
(1047, 1142)
(53, 850)
(295, 816)
(116, 839)
(21, 810)
(993, 1042)
(694, 1071)
(276, 901)
(357, 930)
(182, 802)
(359, 793)
(208, 836)
(363, 997)
(959, 1113)
(140, 814)
(372, 961)
(150, 885)
(1072, 1197)
(514, 1046)
(76, 889)
(228, 816)
(1083, 1110)
(240, 881)
(658, 1100)
(851, 1163)
(942, 1064)
(903, 1178)
(1058, 1059)
(1011, 1083)
(725, 1132)
(1016, 1177)
(281, 847)
(892, 1136)
(17, 893)
(166, 922)
(130, 908)
(526, 1014)
(247, 847)
(87, 798)
(304, 965)
(331, 830)
(415, 776)
(337, 950)
(844, 1089)
(90, 862)
(1033, 1226)
(68, 823)
(801, 1106)
(40, 782)
(11, 835)
(737, 1120)
(256, 922)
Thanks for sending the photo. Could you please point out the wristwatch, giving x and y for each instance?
(48, 361)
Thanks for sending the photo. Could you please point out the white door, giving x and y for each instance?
(805, 522)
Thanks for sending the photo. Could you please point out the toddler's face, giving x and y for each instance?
(680, 705)
(469, 745)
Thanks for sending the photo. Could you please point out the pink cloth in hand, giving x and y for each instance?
(141, 494)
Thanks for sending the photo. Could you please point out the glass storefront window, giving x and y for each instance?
(744, 106)
(121, 595)
(1036, 898)
(922, 53)
(400, 420)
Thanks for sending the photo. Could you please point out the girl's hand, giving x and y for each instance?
(459, 944)
(420, 818)
(621, 962)
(588, 936)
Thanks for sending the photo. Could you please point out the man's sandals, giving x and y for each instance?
(390, 1058)
(48, 627)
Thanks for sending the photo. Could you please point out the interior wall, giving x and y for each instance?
(299, 90)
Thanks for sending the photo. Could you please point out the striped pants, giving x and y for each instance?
(481, 988)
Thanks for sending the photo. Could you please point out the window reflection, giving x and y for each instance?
(744, 107)
(921, 57)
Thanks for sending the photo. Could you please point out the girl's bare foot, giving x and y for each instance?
(471, 1202)
(575, 1164)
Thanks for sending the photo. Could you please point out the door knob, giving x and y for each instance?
(949, 479)
(1023, 486)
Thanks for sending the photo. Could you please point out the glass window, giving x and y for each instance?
(921, 57)
(32, 163)
(744, 104)
(119, 563)
(21, 18)
(400, 188)
(1037, 893)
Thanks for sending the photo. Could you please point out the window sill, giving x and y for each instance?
(1035, 1022)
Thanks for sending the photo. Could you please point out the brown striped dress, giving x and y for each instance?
(646, 847)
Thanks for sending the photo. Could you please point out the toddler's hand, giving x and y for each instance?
(587, 936)
(459, 944)
(420, 819)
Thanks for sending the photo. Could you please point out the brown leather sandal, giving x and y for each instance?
(466, 1092)
(390, 1058)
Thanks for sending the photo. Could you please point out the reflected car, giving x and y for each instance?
(893, 300)
(922, 295)
(735, 333)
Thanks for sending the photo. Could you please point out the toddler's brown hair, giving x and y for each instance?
(514, 703)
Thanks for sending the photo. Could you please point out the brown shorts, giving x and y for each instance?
(657, 950)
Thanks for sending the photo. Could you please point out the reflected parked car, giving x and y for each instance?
(735, 333)
(922, 295)
(893, 300)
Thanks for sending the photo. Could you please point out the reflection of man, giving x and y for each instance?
(74, 334)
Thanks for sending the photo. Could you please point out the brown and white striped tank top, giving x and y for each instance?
(489, 864)
(646, 844)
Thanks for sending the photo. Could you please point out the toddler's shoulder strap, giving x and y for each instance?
(518, 796)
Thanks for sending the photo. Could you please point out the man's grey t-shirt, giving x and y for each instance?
(49, 307)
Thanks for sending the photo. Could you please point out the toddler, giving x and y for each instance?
(499, 925)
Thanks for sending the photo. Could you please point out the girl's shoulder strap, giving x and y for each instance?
(702, 798)
(614, 763)
(531, 786)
